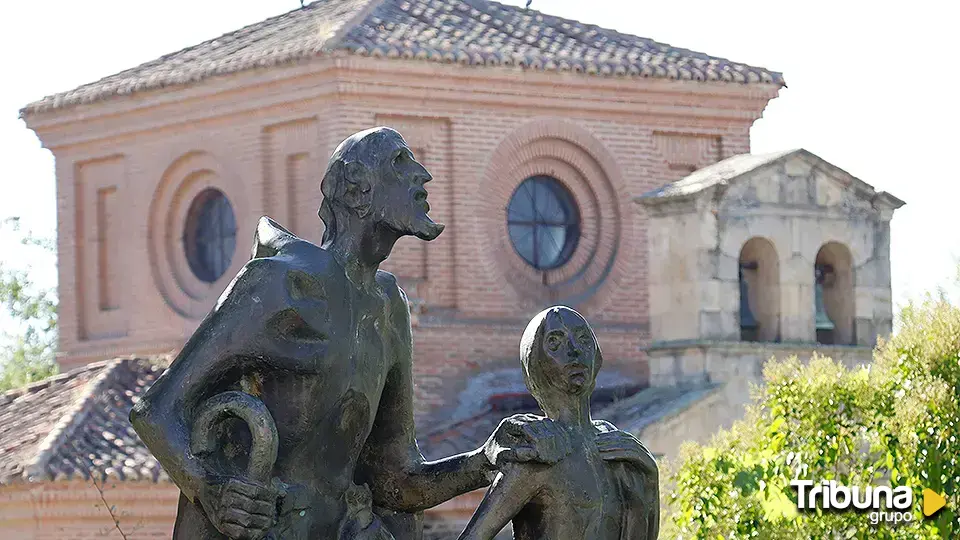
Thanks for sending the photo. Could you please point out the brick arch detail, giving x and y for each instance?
(576, 158)
(180, 183)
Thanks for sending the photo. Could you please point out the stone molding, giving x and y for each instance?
(91, 351)
(750, 346)
(741, 362)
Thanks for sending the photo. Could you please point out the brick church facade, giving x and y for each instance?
(659, 222)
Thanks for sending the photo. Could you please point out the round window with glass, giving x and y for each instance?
(210, 235)
(543, 222)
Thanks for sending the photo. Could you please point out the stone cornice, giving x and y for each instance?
(751, 346)
(517, 87)
(680, 204)
(445, 320)
(355, 77)
(780, 210)
(711, 191)
(95, 350)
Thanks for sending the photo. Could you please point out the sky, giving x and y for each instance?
(871, 89)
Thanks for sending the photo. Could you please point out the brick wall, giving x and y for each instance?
(75, 510)
(608, 143)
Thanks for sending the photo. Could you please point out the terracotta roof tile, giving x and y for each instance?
(28, 415)
(652, 405)
(633, 412)
(75, 425)
(469, 32)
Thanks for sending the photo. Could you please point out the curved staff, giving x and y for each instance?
(263, 430)
(327, 336)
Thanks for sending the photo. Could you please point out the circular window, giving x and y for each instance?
(543, 222)
(210, 235)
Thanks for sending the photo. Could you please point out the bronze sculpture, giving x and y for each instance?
(289, 412)
(597, 490)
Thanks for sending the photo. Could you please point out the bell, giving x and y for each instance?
(748, 323)
(821, 319)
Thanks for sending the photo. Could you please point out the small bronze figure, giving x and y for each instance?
(605, 486)
(289, 412)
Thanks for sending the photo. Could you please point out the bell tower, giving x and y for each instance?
(762, 256)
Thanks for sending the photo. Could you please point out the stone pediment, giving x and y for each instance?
(793, 179)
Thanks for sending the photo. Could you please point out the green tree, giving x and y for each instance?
(892, 423)
(27, 353)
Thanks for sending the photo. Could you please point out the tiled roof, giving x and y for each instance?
(632, 413)
(649, 406)
(717, 174)
(470, 32)
(75, 425)
(723, 172)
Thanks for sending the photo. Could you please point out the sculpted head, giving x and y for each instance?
(372, 175)
(559, 355)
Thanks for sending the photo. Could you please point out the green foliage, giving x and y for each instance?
(893, 423)
(28, 353)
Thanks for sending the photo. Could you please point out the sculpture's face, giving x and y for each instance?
(400, 198)
(568, 352)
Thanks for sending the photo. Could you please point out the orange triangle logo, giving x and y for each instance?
(932, 502)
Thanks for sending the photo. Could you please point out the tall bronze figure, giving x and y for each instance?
(289, 412)
(606, 485)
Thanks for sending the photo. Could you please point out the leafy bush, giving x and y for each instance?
(26, 353)
(892, 423)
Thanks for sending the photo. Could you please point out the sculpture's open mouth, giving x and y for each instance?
(423, 226)
(576, 374)
(420, 197)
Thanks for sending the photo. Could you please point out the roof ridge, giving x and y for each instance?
(588, 26)
(335, 41)
(722, 173)
(719, 173)
(69, 422)
(14, 393)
